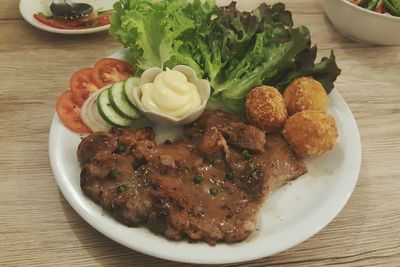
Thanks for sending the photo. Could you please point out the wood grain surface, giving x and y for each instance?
(39, 228)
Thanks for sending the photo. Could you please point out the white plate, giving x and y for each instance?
(291, 215)
(30, 7)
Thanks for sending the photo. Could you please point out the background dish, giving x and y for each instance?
(363, 25)
(28, 7)
(291, 215)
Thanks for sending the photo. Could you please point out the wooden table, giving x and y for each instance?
(37, 225)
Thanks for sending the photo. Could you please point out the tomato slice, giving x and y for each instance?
(99, 20)
(85, 23)
(102, 20)
(82, 85)
(52, 23)
(111, 70)
(69, 113)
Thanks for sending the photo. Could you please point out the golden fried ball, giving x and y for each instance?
(305, 93)
(266, 109)
(310, 132)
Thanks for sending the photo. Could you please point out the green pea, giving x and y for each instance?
(229, 175)
(246, 154)
(197, 179)
(113, 173)
(121, 189)
(185, 170)
(120, 149)
(167, 142)
(214, 191)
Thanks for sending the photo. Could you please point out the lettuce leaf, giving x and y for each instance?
(153, 31)
(325, 71)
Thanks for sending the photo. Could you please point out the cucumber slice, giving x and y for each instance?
(119, 102)
(129, 84)
(108, 113)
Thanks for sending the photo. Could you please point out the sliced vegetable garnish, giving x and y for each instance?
(51, 22)
(97, 21)
(108, 113)
(91, 116)
(94, 20)
(120, 103)
(116, 109)
(129, 85)
(69, 113)
(111, 70)
(82, 85)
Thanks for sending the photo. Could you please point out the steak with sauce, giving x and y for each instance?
(208, 186)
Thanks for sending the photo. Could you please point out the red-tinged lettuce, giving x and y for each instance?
(235, 50)
(325, 71)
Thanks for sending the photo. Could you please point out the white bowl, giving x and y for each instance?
(363, 25)
(202, 85)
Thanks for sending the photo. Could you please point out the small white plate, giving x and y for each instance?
(291, 215)
(30, 7)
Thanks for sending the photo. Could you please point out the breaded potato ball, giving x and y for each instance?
(266, 109)
(305, 93)
(310, 132)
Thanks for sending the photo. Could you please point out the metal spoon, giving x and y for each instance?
(68, 10)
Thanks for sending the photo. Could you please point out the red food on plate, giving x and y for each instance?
(111, 70)
(92, 21)
(52, 23)
(82, 85)
(69, 113)
(100, 20)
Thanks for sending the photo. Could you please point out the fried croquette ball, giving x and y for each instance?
(266, 109)
(310, 132)
(305, 93)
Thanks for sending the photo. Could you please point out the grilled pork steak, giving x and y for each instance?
(208, 186)
(236, 132)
